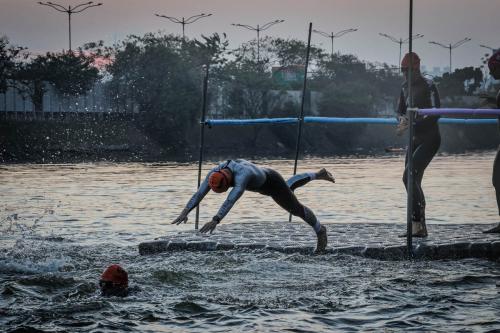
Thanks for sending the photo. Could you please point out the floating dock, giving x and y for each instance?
(374, 240)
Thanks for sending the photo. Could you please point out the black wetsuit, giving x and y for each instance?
(282, 193)
(426, 140)
(249, 177)
(496, 164)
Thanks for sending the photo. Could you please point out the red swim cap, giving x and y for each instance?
(219, 181)
(405, 63)
(494, 61)
(115, 275)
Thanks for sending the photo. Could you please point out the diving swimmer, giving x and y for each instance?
(244, 176)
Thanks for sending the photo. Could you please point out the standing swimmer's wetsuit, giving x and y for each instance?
(494, 66)
(245, 176)
(427, 138)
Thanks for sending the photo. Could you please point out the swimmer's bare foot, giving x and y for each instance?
(494, 230)
(325, 175)
(418, 228)
(322, 241)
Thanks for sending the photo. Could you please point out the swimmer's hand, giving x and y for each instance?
(210, 226)
(402, 126)
(182, 217)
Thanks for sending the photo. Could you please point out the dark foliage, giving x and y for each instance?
(463, 81)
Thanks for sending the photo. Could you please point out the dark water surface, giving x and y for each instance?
(61, 225)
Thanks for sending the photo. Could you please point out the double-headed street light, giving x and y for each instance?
(492, 49)
(450, 47)
(70, 10)
(332, 35)
(486, 57)
(183, 21)
(258, 29)
(400, 41)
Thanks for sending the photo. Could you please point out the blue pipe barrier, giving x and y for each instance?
(333, 120)
(243, 122)
(461, 112)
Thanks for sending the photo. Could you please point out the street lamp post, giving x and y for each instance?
(492, 49)
(258, 29)
(332, 36)
(183, 21)
(401, 41)
(485, 58)
(70, 10)
(450, 47)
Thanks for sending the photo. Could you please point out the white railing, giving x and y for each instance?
(95, 100)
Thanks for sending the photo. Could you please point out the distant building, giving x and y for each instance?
(435, 71)
(288, 74)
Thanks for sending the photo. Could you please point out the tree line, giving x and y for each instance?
(162, 74)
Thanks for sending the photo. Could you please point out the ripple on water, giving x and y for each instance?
(176, 277)
(32, 267)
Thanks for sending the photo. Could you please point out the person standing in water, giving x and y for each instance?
(427, 138)
(246, 176)
(494, 66)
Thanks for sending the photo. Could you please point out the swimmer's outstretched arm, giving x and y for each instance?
(231, 199)
(194, 201)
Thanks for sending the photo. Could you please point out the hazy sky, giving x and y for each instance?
(41, 28)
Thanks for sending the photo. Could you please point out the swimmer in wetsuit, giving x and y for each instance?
(494, 66)
(114, 281)
(246, 176)
(427, 138)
